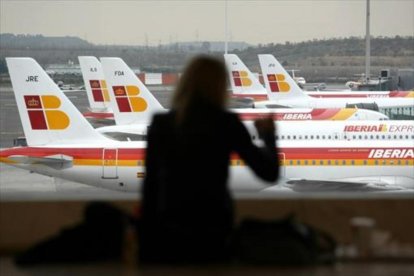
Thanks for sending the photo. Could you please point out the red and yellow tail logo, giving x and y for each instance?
(43, 113)
(277, 83)
(127, 99)
(241, 78)
(99, 90)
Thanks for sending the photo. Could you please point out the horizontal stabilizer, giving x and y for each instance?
(57, 161)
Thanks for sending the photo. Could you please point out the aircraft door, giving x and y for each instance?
(110, 163)
(282, 165)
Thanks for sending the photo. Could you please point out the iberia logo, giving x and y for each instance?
(366, 128)
(241, 78)
(44, 114)
(128, 100)
(277, 83)
(99, 90)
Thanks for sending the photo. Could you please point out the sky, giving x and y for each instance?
(154, 22)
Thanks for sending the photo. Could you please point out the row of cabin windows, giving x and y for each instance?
(345, 162)
(398, 111)
(344, 137)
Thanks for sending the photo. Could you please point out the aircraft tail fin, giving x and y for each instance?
(242, 79)
(95, 84)
(279, 84)
(132, 102)
(47, 115)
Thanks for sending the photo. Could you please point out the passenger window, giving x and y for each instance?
(329, 162)
(298, 162)
(317, 136)
(313, 162)
(291, 162)
(306, 137)
(288, 137)
(365, 162)
(352, 162)
(306, 162)
(311, 137)
(320, 162)
(294, 137)
(323, 137)
(343, 162)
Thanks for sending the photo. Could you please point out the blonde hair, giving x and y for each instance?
(204, 81)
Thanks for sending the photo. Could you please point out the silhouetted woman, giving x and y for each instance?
(187, 210)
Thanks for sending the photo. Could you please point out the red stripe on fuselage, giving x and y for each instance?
(139, 153)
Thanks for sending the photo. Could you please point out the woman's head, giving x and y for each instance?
(204, 81)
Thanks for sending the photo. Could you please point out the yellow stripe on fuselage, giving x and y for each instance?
(343, 114)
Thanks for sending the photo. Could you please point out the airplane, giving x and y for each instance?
(235, 64)
(397, 102)
(283, 90)
(62, 143)
(97, 92)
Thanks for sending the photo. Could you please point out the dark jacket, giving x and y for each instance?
(187, 167)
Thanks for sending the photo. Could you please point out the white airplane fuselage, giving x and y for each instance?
(312, 102)
(348, 154)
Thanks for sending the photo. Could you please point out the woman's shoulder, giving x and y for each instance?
(163, 117)
(161, 121)
(231, 116)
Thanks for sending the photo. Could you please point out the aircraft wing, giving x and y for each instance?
(305, 185)
(58, 161)
(333, 186)
(73, 90)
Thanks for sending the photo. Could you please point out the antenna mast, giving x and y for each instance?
(226, 46)
(367, 46)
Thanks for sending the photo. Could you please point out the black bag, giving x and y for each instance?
(99, 237)
(283, 242)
